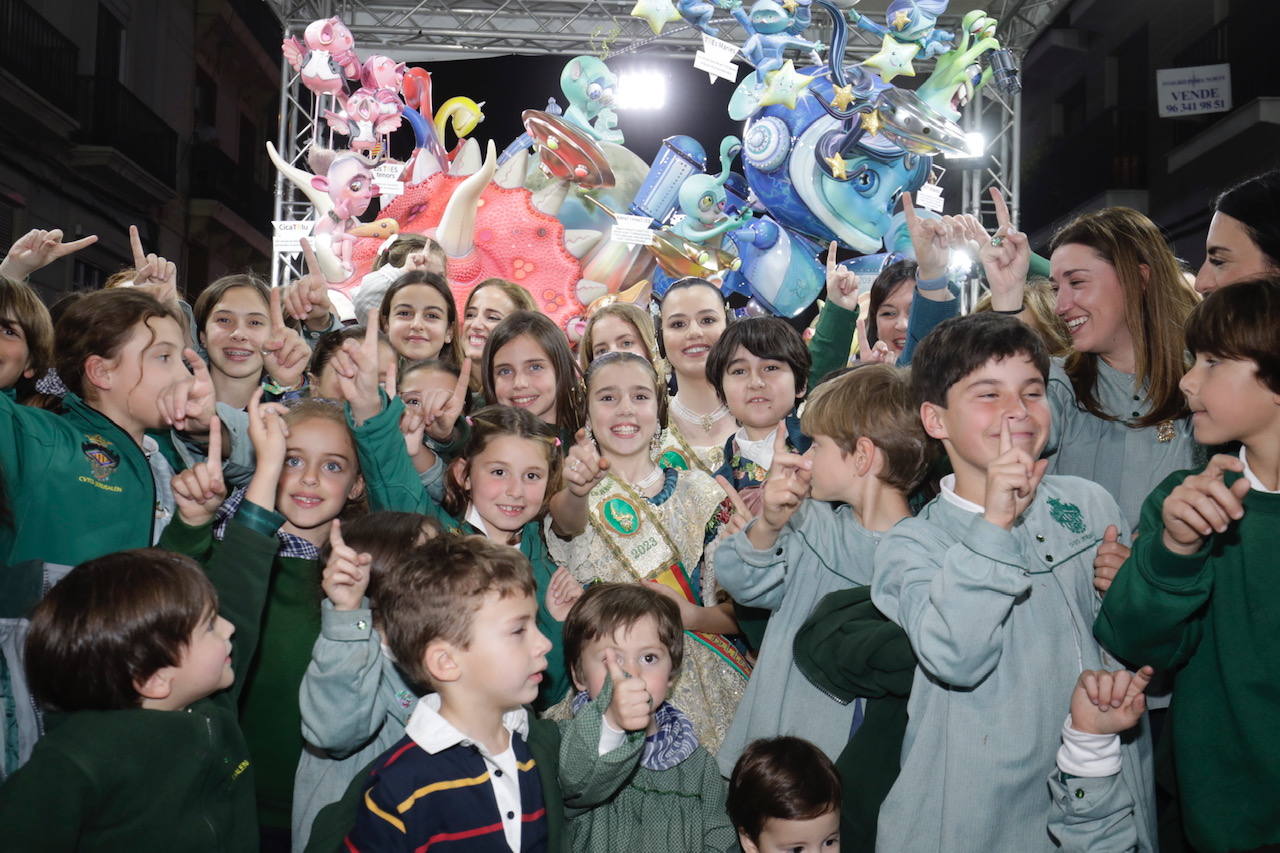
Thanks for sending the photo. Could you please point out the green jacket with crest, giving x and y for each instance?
(142, 780)
(78, 485)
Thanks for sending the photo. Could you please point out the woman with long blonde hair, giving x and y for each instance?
(1119, 416)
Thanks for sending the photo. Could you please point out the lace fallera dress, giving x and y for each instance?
(632, 538)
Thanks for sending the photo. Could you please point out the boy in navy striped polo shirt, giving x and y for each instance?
(474, 771)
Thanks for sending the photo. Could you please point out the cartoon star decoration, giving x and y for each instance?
(871, 122)
(842, 96)
(839, 171)
(900, 19)
(658, 13)
(893, 59)
(784, 85)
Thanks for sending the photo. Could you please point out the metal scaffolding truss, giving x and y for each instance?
(994, 115)
(1022, 21)
(437, 29)
(423, 31)
(434, 30)
(997, 115)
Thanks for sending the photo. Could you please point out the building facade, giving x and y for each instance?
(1092, 133)
(139, 112)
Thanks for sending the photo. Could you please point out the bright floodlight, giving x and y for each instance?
(959, 262)
(976, 143)
(642, 90)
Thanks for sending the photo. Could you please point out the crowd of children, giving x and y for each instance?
(438, 582)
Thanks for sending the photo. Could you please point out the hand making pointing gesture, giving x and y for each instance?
(1006, 257)
(1012, 480)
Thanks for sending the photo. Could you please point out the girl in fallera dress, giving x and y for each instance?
(624, 327)
(692, 319)
(628, 519)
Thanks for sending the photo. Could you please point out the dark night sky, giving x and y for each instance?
(510, 84)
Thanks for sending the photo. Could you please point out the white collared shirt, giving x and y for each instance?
(1254, 482)
(759, 451)
(435, 734)
(475, 520)
(948, 486)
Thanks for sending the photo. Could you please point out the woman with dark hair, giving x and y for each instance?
(1244, 234)
(692, 318)
(889, 310)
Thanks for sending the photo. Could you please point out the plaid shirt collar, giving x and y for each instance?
(290, 544)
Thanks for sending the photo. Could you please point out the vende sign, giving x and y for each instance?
(1188, 91)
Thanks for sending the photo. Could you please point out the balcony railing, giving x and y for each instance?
(35, 52)
(112, 115)
(215, 175)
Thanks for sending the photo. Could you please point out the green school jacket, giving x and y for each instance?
(999, 620)
(79, 485)
(832, 341)
(140, 780)
(269, 712)
(821, 549)
(614, 803)
(1213, 618)
(847, 649)
(1127, 462)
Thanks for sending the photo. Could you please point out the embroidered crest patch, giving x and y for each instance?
(673, 459)
(1068, 515)
(102, 458)
(620, 516)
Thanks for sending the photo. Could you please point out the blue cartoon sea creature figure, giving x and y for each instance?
(818, 176)
(700, 12)
(781, 269)
(590, 87)
(703, 200)
(773, 27)
(911, 22)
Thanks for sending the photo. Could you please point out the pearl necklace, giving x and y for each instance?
(649, 480)
(706, 421)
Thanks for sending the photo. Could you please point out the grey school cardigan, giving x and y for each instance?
(1129, 463)
(820, 550)
(1001, 622)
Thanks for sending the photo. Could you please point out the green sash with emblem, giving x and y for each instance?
(641, 543)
